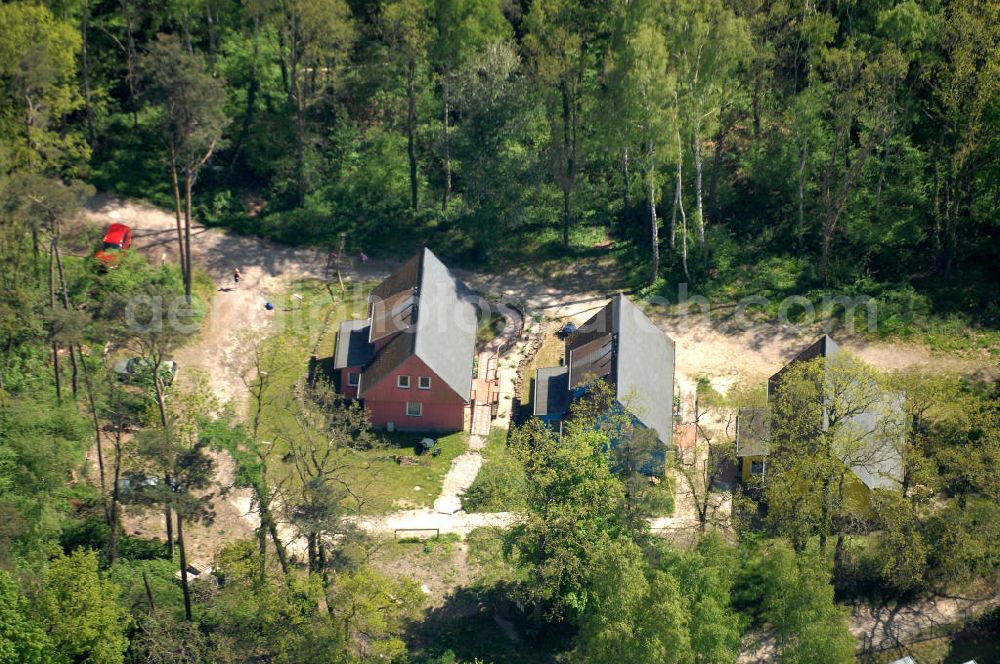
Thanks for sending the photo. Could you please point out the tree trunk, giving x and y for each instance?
(625, 198)
(56, 371)
(161, 401)
(295, 92)
(89, 387)
(324, 569)
(680, 204)
(824, 516)
(839, 546)
(184, 571)
(446, 146)
(261, 533)
(149, 593)
(168, 516)
(65, 299)
(300, 152)
(29, 142)
(936, 219)
(699, 205)
(411, 128)
(283, 66)
(567, 183)
(824, 257)
(673, 212)
(186, 32)
(115, 498)
(85, 71)
(713, 185)
(252, 87)
(755, 106)
(177, 212)
(131, 62)
(210, 36)
(279, 547)
(800, 227)
(311, 552)
(52, 304)
(188, 186)
(654, 232)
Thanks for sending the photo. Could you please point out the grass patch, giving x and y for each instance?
(442, 545)
(490, 329)
(658, 500)
(399, 486)
(500, 485)
(297, 325)
(488, 564)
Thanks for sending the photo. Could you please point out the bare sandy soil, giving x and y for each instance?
(885, 627)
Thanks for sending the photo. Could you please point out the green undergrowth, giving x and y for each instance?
(500, 485)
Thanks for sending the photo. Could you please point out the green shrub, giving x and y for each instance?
(500, 485)
(141, 548)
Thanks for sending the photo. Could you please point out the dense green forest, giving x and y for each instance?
(745, 147)
(748, 145)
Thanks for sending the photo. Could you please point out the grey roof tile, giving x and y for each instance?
(644, 368)
(753, 432)
(440, 327)
(551, 391)
(353, 348)
(621, 342)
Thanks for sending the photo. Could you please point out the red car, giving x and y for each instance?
(117, 239)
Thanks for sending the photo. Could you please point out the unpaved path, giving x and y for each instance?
(217, 352)
(459, 478)
(411, 522)
(889, 626)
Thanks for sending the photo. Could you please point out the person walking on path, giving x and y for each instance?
(236, 277)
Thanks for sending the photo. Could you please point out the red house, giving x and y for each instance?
(411, 361)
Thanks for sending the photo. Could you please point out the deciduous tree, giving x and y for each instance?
(81, 610)
(192, 117)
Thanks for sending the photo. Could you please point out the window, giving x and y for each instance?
(414, 408)
(424, 382)
(756, 467)
(403, 381)
(353, 378)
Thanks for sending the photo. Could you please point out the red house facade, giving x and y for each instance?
(411, 361)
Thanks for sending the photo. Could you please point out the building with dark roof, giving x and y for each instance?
(620, 345)
(550, 400)
(411, 360)
(877, 463)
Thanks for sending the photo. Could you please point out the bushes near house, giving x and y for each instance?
(500, 484)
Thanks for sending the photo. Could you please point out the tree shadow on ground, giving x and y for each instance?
(476, 623)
